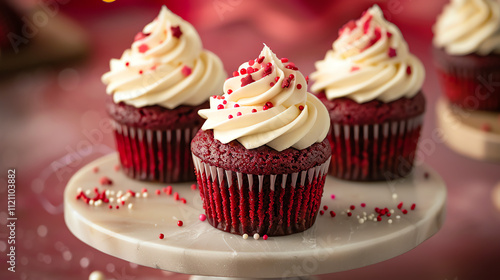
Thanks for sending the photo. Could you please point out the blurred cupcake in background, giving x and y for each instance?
(467, 53)
(156, 89)
(262, 155)
(371, 85)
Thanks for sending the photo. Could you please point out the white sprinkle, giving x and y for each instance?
(137, 195)
(245, 236)
(91, 202)
(361, 221)
(389, 221)
(370, 218)
(112, 192)
(348, 211)
(97, 275)
(98, 203)
(343, 212)
(398, 217)
(119, 194)
(111, 200)
(130, 206)
(391, 211)
(145, 194)
(107, 192)
(256, 236)
(394, 196)
(357, 216)
(364, 213)
(87, 192)
(118, 200)
(79, 190)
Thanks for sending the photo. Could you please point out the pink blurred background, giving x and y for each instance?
(51, 117)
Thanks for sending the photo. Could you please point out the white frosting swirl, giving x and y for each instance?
(270, 106)
(369, 60)
(469, 26)
(166, 67)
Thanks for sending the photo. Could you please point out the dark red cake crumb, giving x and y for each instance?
(176, 31)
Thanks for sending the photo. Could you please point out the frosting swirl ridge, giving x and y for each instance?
(469, 26)
(266, 103)
(166, 66)
(369, 60)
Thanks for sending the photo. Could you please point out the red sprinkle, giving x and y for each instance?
(260, 59)
(363, 204)
(238, 114)
(307, 79)
(291, 76)
(95, 169)
(269, 104)
(264, 108)
(183, 200)
(123, 202)
(254, 110)
(379, 218)
(352, 207)
(144, 190)
(284, 59)
(140, 72)
(176, 196)
(110, 206)
(349, 214)
(299, 86)
(276, 79)
(220, 107)
(194, 187)
(168, 190)
(243, 71)
(271, 84)
(251, 62)
(321, 212)
(229, 91)
(143, 48)
(249, 70)
(265, 237)
(117, 207)
(236, 105)
(400, 205)
(131, 192)
(230, 116)
(302, 108)
(186, 71)
(408, 70)
(202, 217)
(325, 207)
(354, 68)
(331, 196)
(158, 192)
(267, 70)
(224, 102)
(332, 213)
(176, 31)
(127, 64)
(405, 211)
(180, 223)
(247, 80)
(413, 206)
(391, 52)
(235, 74)
(161, 236)
(105, 181)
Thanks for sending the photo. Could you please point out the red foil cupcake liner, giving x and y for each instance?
(374, 152)
(155, 155)
(472, 89)
(265, 204)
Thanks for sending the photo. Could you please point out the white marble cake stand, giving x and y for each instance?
(463, 131)
(331, 245)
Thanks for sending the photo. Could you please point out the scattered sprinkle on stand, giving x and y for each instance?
(256, 236)
(161, 236)
(202, 217)
(180, 223)
(245, 236)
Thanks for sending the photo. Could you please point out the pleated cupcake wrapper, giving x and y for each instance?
(155, 155)
(374, 152)
(476, 89)
(242, 203)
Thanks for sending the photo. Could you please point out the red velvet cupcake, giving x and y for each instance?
(371, 86)
(157, 88)
(467, 53)
(262, 155)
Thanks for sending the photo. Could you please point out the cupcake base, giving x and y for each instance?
(265, 204)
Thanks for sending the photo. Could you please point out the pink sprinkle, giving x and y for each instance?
(224, 102)
(486, 127)
(332, 213)
(230, 116)
(392, 52)
(95, 169)
(238, 114)
(236, 105)
(161, 236)
(249, 70)
(284, 59)
(229, 91)
(413, 206)
(186, 71)
(363, 204)
(235, 74)
(143, 48)
(321, 212)
(144, 190)
(254, 110)
(332, 196)
(352, 207)
(176, 196)
(220, 107)
(194, 187)
(176, 31)
(117, 167)
(251, 62)
(180, 223)
(299, 86)
(202, 217)
(325, 207)
(158, 192)
(354, 68)
(105, 181)
(408, 70)
(265, 237)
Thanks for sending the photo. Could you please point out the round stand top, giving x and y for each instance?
(333, 244)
